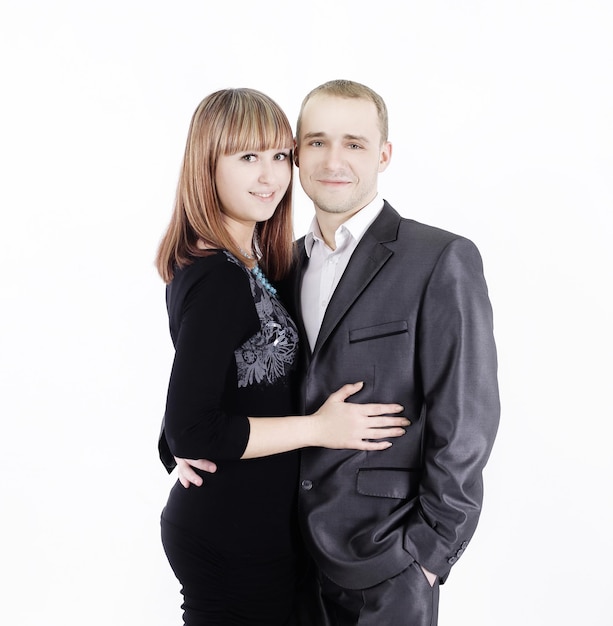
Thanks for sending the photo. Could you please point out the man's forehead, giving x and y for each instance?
(337, 101)
(353, 114)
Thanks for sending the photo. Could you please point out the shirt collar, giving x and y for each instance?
(356, 226)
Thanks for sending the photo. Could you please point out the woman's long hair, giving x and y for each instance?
(226, 122)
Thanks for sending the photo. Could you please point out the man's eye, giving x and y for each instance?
(317, 144)
(354, 146)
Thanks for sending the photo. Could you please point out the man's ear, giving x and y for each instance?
(386, 156)
(296, 154)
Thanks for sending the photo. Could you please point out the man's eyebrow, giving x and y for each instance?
(312, 135)
(359, 138)
(319, 134)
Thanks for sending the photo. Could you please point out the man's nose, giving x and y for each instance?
(333, 157)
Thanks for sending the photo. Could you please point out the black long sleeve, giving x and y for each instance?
(211, 314)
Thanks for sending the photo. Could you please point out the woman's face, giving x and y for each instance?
(250, 185)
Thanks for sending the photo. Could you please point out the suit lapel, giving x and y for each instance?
(368, 258)
(300, 266)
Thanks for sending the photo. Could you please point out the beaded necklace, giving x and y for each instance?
(259, 274)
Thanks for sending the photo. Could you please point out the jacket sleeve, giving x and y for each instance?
(218, 315)
(458, 366)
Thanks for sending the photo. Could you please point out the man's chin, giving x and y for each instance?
(334, 204)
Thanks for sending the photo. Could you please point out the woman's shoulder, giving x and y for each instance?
(210, 293)
(215, 272)
(212, 264)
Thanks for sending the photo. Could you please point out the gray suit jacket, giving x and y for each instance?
(412, 319)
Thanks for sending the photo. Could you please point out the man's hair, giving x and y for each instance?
(226, 122)
(341, 88)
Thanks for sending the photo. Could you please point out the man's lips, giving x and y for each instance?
(333, 181)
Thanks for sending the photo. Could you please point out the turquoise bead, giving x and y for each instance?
(259, 274)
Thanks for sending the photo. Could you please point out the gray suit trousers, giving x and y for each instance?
(404, 600)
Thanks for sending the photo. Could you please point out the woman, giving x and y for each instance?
(233, 543)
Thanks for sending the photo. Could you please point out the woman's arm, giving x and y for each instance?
(337, 424)
(217, 315)
(212, 313)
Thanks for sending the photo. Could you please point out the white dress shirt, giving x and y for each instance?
(326, 266)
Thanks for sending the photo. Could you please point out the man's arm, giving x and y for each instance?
(186, 474)
(458, 364)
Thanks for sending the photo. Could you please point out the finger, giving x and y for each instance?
(340, 395)
(375, 445)
(193, 478)
(203, 464)
(382, 409)
(387, 422)
(187, 473)
(384, 433)
(184, 482)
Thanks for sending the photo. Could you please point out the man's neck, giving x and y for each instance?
(329, 223)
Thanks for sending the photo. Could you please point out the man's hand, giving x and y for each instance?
(186, 474)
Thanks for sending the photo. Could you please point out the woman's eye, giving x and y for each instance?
(249, 157)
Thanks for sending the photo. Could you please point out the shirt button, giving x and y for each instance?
(307, 485)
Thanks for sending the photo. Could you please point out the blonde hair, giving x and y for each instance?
(226, 122)
(341, 88)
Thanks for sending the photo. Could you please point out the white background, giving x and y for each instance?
(501, 120)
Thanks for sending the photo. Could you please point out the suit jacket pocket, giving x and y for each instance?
(380, 330)
(388, 483)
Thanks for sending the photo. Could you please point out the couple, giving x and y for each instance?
(272, 338)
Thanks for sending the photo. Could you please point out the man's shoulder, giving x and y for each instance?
(408, 228)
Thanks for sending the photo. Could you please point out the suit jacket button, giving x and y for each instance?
(307, 485)
(452, 560)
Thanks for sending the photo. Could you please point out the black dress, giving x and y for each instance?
(233, 542)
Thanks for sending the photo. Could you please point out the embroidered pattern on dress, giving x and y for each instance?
(270, 354)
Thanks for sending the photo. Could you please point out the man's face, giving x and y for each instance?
(340, 154)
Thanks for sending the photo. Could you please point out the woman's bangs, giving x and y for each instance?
(257, 132)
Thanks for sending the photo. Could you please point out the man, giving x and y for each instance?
(403, 307)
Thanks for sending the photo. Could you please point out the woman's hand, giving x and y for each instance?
(341, 424)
